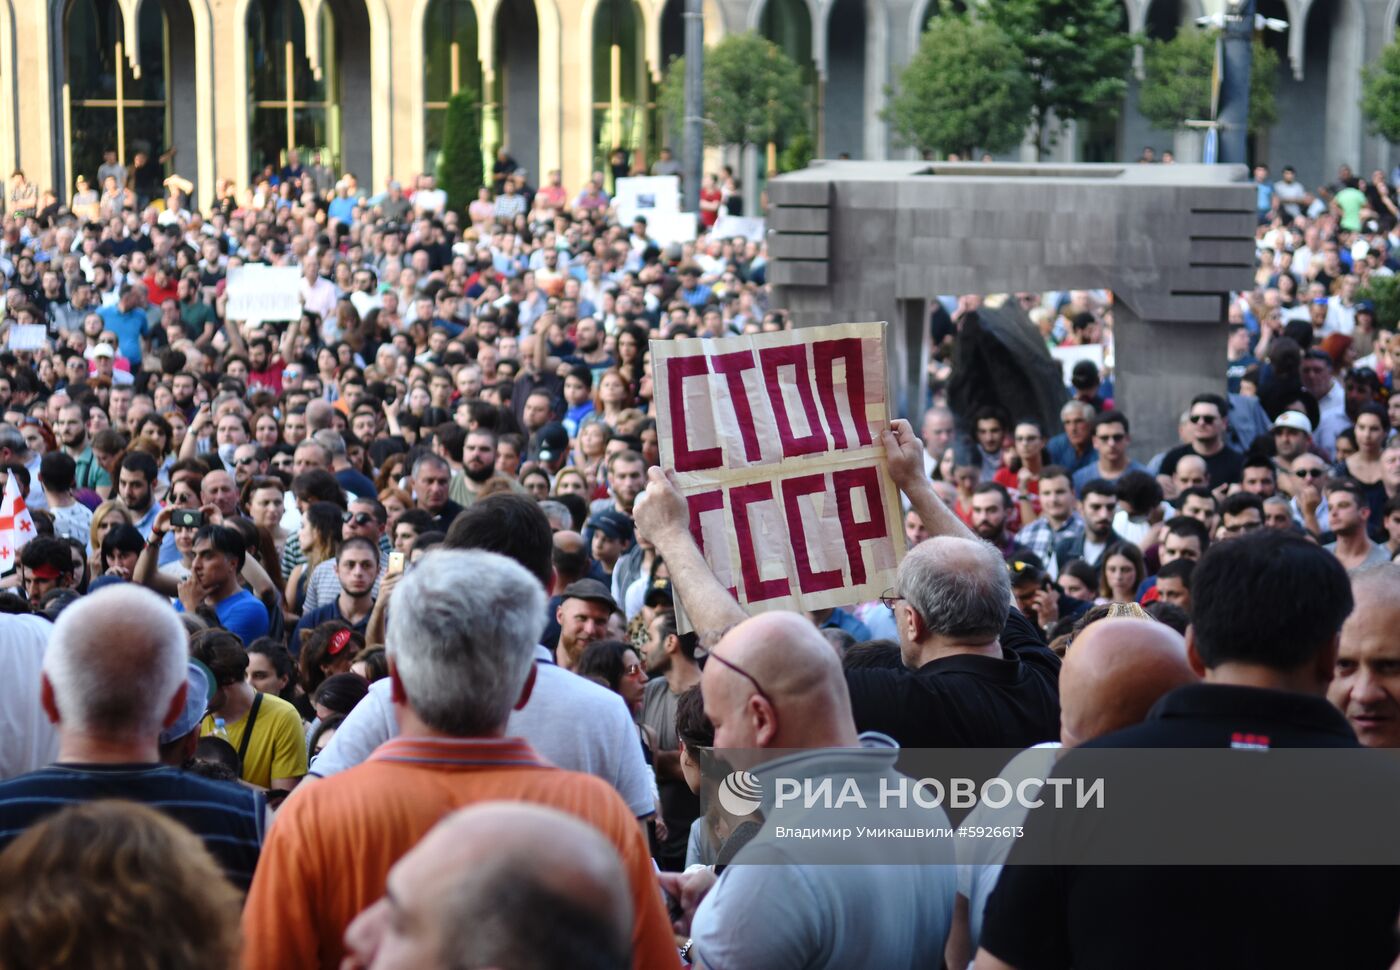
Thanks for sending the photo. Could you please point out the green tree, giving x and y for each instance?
(1076, 53)
(459, 172)
(1176, 86)
(966, 88)
(1380, 93)
(753, 92)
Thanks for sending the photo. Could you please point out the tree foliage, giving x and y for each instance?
(965, 88)
(1076, 53)
(1384, 292)
(753, 92)
(1177, 80)
(459, 171)
(1380, 93)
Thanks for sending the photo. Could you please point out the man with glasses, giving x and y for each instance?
(367, 519)
(1111, 440)
(249, 460)
(773, 690)
(1241, 514)
(1310, 506)
(1224, 465)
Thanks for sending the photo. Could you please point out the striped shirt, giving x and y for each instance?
(329, 855)
(227, 817)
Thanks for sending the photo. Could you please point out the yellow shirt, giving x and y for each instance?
(278, 745)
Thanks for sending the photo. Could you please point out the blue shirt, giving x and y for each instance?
(842, 620)
(1062, 453)
(1089, 473)
(314, 618)
(242, 613)
(343, 208)
(129, 327)
(226, 816)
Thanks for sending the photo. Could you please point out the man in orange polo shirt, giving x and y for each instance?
(461, 654)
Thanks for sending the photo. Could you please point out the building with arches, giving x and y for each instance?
(220, 88)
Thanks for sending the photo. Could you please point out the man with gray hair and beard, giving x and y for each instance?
(111, 688)
(461, 644)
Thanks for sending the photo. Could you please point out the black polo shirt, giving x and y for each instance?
(1226, 465)
(966, 701)
(1101, 917)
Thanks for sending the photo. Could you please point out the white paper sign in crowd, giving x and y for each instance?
(257, 293)
(775, 442)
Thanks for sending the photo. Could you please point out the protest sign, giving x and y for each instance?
(28, 336)
(644, 195)
(775, 442)
(1069, 356)
(257, 293)
(746, 227)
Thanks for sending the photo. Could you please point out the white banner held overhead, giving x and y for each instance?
(645, 195)
(258, 293)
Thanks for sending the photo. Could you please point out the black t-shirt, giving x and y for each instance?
(966, 701)
(1171, 916)
(1225, 466)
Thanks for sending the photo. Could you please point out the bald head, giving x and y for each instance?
(123, 680)
(320, 415)
(475, 890)
(1114, 673)
(958, 593)
(567, 540)
(807, 703)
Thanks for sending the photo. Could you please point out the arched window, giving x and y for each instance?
(289, 107)
(450, 64)
(623, 99)
(109, 107)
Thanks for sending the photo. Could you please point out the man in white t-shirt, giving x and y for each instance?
(572, 722)
(429, 200)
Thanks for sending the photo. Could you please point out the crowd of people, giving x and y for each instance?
(353, 640)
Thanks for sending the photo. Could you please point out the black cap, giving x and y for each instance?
(613, 524)
(590, 589)
(659, 592)
(550, 442)
(1085, 375)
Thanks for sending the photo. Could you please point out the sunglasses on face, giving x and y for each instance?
(358, 518)
(1310, 473)
(1202, 419)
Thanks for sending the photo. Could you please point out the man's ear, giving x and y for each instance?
(1193, 657)
(1325, 663)
(46, 699)
(396, 692)
(177, 704)
(528, 689)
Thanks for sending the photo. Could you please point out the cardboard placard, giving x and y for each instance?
(775, 442)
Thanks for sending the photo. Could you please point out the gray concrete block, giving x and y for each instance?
(788, 219)
(792, 246)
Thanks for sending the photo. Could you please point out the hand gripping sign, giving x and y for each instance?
(775, 442)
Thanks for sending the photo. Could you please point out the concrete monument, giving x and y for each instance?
(853, 241)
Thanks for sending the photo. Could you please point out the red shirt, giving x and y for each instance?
(708, 216)
(156, 295)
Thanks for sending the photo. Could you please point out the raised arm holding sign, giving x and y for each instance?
(773, 441)
(663, 517)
